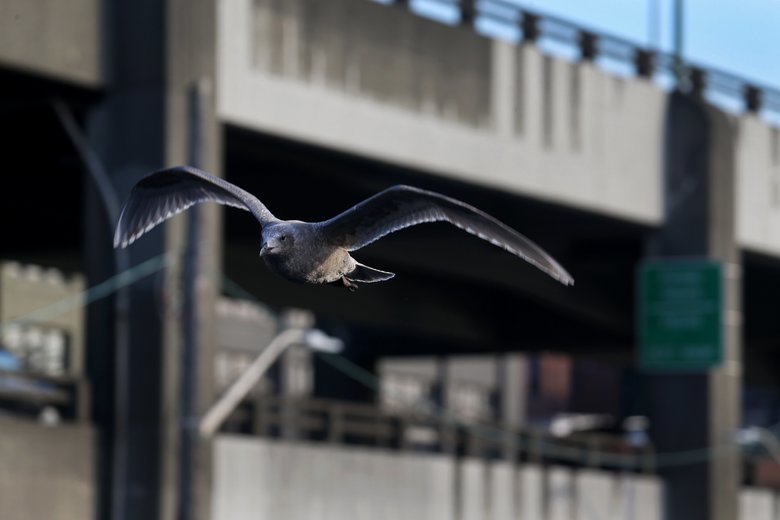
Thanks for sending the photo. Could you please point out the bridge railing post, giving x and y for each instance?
(698, 81)
(753, 98)
(588, 43)
(529, 25)
(644, 61)
(468, 12)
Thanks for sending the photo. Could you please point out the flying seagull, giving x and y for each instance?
(319, 252)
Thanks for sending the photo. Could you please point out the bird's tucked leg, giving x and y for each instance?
(349, 284)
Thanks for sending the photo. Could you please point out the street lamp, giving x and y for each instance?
(565, 424)
(753, 435)
(313, 338)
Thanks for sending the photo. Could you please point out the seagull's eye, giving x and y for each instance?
(282, 238)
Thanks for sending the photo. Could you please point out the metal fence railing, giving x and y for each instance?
(344, 422)
(695, 78)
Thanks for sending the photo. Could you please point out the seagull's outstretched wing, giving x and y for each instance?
(168, 192)
(400, 207)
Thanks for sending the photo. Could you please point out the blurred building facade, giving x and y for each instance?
(443, 403)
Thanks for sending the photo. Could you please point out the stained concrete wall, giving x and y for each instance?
(53, 38)
(377, 81)
(473, 496)
(530, 488)
(263, 479)
(258, 478)
(502, 491)
(46, 472)
(757, 504)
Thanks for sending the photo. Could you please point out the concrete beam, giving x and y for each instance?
(59, 40)
(359, 77)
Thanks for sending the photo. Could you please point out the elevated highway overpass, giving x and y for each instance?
(343, 98)
(375, 81)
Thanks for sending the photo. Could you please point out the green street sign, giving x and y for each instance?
(680, 315)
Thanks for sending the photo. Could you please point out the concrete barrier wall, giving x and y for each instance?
(257, 478)
(472, 498)
(46, 472)
(758, 185)
(638, 498)
(757, 504)
(502, 491)
(265, 479)
(559, 493)
(373, 80)
(531, 501)
(596, 495)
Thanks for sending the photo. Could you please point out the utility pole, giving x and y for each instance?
(189, 410)
(653, 24)
(679, 24)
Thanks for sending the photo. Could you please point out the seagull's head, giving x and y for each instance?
(277, 239)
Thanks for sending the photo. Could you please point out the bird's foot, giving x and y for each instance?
(349, 284)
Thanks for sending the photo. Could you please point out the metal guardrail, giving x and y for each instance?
(342, 422)
(534, 26)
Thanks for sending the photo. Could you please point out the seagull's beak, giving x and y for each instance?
(265, 249)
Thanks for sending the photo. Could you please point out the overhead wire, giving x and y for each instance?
(94, 293)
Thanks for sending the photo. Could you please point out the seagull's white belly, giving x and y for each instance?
(311, 268)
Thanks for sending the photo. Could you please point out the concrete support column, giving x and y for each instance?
(155, 52)
(694, 411)
(191, 78)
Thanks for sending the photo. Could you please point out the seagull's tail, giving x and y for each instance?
(363, 273)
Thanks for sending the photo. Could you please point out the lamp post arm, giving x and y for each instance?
(220, 410)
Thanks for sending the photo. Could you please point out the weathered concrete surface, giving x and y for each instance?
(261, 479)
(595, 492)
(53, 38)
(472, 497)
(502, 491)
(258, 478)
(639, 498)
(379, 82)
(376, 81)
(560, 494)
(758, 185)
(530, 488)
(757, 504)
(46, 472)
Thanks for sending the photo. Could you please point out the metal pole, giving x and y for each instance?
(238, 390)
(190, 324)
(653, 24)
(679, 23)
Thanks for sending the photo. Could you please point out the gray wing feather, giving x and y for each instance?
(400, 207)
(165, 193)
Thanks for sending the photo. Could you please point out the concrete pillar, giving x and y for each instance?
(154, 53)
(192, 27)
(695, 411)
